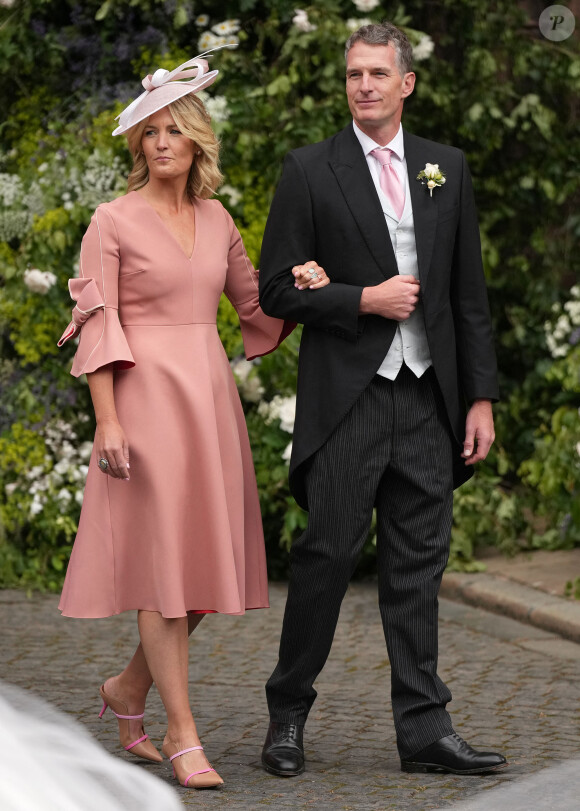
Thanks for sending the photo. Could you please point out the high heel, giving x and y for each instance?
(206, 782)
(142, 747)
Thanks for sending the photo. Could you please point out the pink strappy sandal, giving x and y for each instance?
(205, 784)
(142, 747)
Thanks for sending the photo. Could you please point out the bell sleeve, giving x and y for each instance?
(261, 333)
(95, 317)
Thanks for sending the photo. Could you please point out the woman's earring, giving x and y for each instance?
(198, 152)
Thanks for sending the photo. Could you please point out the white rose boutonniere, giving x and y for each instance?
(431, 176)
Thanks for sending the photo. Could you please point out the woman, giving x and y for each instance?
(170, 524)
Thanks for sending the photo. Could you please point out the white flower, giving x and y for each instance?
(35, 472)
(301, 21)
(252, 390)
(63, 496)
(354, 23)
(37, 506)
(217, 107)
(423, 49)
(42, 168)
(577, 448)
(241, 369)
(366, 5)
(14, 224)
(68, 450)
(573, 310)
(227, 27)
(562, 327)
(431, 176)
(249, 384)
(100, 178)
(39, 281)
(288, 413)
(279, 408)
(287, 452)
(202, 20)
(10, 488)
(79, 496)
(85, 451)
(234, 195)
(209, 40)
(11, 189)
(7, 3)
(40, 485)
(563, 334)
(61, 467)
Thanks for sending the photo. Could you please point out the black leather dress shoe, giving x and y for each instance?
(283, 752)
(453, 754)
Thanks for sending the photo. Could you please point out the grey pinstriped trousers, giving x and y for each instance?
(393, 450)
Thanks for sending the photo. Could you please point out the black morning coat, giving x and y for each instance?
(326, 208)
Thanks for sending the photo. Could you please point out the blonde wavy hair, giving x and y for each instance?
(193, 120)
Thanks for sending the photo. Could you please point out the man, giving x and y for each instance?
(391, 352)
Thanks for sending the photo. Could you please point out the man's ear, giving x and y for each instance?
(408, 85)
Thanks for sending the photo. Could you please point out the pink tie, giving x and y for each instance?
(389, 180)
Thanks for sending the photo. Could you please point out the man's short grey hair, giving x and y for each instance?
(383, 34)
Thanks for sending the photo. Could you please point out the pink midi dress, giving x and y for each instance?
(185, 533)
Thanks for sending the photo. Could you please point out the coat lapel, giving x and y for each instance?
(352, 173)
(424, 206)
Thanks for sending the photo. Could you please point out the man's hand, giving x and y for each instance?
(396, 298)
(479, 432)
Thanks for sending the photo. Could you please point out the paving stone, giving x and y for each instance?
(515, 689)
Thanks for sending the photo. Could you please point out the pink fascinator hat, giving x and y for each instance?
(164, 86)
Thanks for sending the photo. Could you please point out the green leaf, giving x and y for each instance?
(103, 10)
(180, 18)
(280, 86)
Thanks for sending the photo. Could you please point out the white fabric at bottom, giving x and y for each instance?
(50, 763)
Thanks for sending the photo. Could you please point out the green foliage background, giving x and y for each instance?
(492, 86)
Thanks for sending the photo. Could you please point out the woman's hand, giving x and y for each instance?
(111, 444)
(309, 276)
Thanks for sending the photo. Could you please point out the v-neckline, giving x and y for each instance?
(168, 230)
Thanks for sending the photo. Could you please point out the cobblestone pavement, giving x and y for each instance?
(516, 688)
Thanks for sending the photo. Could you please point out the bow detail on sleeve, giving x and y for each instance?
(88, 300)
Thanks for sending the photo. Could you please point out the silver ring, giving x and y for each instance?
(313, 274)
(103, 464)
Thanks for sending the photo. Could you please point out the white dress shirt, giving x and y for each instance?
(410, 342)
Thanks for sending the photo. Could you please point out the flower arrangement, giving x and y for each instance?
(431, 176)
